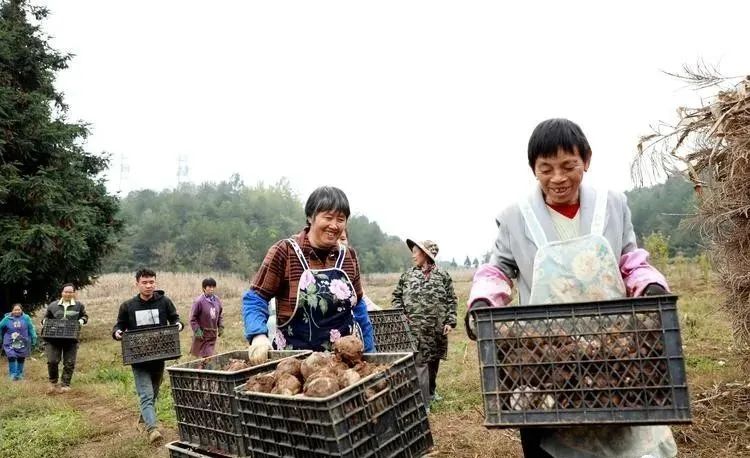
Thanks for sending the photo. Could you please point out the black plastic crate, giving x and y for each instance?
(608, 362)
(150, 344)
(204, 400)
(392, 331)
(183, 450)
(363, 420)
(61, 329)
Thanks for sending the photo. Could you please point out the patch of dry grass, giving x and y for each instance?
(456, 420)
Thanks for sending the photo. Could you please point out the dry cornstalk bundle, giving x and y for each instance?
(711, 146)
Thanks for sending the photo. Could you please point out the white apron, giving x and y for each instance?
(585, 269)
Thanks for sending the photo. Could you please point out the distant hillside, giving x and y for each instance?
(667, 208)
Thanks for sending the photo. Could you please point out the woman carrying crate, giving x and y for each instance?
(19, 337)
(63, 348)
(570, 243)
(316, 283)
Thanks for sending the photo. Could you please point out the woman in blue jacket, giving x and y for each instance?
(19, 336)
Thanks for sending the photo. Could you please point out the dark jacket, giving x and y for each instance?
(137, 313)
(55, 310)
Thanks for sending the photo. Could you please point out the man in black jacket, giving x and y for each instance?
(150, 308)
(65, 308)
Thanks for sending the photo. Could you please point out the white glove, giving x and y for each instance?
(118, 334)
(81, 321)
(258, 351)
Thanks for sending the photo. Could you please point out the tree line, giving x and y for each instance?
(229, 226)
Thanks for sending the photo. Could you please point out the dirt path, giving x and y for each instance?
(114, 421)
(120, 435)
(459, 435)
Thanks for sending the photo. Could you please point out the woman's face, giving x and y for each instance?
(17, 311)
(326, 228)
(560, 177)
(418, 257)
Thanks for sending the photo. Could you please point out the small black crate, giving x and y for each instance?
(61, 329)
(392, 331)
(204, 400)
(366, 419)
(183, 450)
(150, 344)
(608, 362)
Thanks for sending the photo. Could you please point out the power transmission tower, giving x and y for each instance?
(124, 170)
(182, 169)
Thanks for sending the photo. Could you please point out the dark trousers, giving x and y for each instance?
(66, 351)
(433, 367)
(530, 440)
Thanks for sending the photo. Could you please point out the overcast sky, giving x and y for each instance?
(420, 111)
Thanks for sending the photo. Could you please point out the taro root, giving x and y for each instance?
(287, 384)
(261, 383)
(291, 366)
(321, 387)
(382, 384)
(313, 363)
(348, 377)
(337, 366)
(349, 349)
(324, 372)
(521, 398)
(363, 368)
(236, 365)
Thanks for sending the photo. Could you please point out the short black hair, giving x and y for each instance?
(144, 272)
(553, 134)
(69, 284)
(208, 282)
(326, 198)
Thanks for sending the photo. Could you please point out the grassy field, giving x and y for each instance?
(98, 418)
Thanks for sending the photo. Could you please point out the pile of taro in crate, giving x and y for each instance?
(320, 374)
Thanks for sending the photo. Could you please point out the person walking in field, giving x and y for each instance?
(206, 320)
(56, 349)
(18, 335)
(149, 308)
(425, 293)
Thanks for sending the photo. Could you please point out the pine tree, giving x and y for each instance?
(56, 219)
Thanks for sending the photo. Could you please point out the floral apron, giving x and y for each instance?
(578, 270)
(16, 343)
(323, 310)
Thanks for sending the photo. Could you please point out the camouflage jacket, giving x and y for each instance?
(429, 304)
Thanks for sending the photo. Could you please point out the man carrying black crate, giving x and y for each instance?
(65, 349)
(150, 308)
